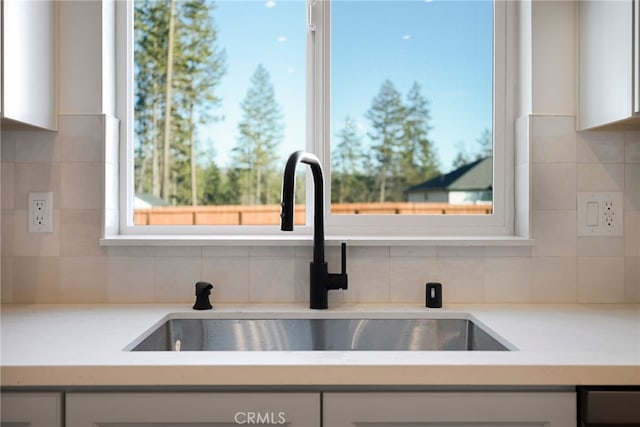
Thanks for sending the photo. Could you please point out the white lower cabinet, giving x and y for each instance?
(31, 409)
(190, 409)
(460, 409)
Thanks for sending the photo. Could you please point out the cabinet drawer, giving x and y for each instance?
(201, 409)
(462, 409)
(31, 409)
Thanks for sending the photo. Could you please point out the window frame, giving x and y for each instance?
(387, 228)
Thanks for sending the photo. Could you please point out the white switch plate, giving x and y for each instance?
(600, 214)
(40, 212)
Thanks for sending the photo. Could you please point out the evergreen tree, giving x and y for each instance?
(260, 132)
(177, 70)
(462, 158)
(346, 167)
(485, 142)
(386, 114)
(199, 70)
(418, 157)
(151, 36)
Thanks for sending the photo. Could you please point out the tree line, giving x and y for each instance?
(179, 66)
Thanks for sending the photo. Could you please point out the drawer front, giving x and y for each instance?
(192, 408)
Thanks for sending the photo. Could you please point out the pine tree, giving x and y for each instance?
(165, 191)
(177, 70)
(346, 165)
(260, 132)
(151, 31)
(419, 160)
(462, 158)
(386, 115)
(485, 142)
(199, 70)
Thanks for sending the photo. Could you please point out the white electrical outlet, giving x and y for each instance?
(600, 214)
(40, 212)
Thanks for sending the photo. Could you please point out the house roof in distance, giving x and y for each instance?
(146, 200)
(473, 176)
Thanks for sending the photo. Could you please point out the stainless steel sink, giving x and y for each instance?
(446, 334)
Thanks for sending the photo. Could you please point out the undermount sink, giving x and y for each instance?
(371, 334)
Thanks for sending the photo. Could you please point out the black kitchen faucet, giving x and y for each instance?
(321, 281)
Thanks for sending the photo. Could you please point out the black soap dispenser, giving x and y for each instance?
(433, 297)
(203, 290)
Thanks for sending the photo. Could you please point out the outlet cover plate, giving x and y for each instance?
(40, 212)
(600, 214)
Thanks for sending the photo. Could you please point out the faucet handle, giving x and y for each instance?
(338, 280)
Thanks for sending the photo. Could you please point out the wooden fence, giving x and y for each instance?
(270, 214)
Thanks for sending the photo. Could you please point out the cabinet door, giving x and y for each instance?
(31, 410)
(461, 409)
(28, 58)
(192, 409)
(606, 62)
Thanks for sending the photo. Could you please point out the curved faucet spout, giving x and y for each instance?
(288, 199)
(320, 279)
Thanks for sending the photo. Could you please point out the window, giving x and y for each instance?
(397, 96)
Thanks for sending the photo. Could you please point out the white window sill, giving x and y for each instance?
(303, 240)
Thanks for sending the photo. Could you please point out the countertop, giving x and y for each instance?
(83, 345)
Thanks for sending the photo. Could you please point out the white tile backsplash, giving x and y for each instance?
(80, 232)
(6, 222)
(6, 196)
(462, 279)
(368, 279)
(631, 234)
(229, 276)
(177, 251)
(409, 276)
(36, 280)
(82, 185)
(131, 279)
(28, 177)
(7, 139)
(70, 266)
(632, 279)
(412, 251)
(554, 280)
(632, 187)
(35, 244)
(600, 147)
(175, 278)
(83, 279)
(554, 186)
(271, 279)
(555, 233)
(601, 246)
(6, 275)
(37, 147)
(632, 147)
(554, 139)
(506, 280)
(601, 280)
(600, 177)
(82, 138)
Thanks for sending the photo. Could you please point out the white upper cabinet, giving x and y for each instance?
(28, 63)
(608, 63)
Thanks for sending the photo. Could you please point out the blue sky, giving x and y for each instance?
(443, 45)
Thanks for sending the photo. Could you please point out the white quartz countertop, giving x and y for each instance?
(84, 345)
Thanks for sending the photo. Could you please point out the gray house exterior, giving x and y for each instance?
(469, 184)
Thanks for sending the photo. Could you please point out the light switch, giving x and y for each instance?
(592, 214)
